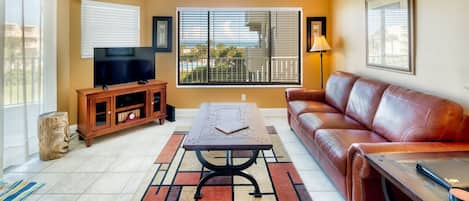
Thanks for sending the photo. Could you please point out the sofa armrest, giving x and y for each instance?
(390, 147)
(305, 94)
(362, 179)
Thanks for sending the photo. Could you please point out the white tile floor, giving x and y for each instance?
(119, 166)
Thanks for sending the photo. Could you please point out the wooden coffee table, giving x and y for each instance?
(203, 136)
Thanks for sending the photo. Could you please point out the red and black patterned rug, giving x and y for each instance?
(179, 172)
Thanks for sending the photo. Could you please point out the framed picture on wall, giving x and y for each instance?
(390, 35)
(162, 33)
(316, 26)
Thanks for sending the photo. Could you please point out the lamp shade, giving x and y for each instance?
(320, 44)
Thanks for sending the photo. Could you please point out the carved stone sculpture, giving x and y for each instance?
(54, 137)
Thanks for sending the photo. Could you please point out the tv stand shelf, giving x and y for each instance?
(131, 107)
(102, 112)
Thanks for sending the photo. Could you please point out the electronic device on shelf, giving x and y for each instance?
(123, 65)
(129, 99)
(450, 174)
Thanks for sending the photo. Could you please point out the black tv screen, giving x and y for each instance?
(123, 65)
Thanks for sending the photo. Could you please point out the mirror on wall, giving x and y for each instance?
(390, 41)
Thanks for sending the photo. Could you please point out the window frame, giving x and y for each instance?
(410, 69)
(249, 84)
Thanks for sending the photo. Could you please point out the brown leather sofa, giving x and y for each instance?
(355, 116)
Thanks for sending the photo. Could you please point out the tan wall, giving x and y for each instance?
(191, 98)
(63, 54)
(441, 47)
(80, 70)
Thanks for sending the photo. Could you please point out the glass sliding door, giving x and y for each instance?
(24, 75)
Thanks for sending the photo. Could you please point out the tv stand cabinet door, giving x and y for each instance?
(100, 113)
(158, 102)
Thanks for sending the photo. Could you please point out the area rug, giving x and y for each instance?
(179, 172)
(19, 190)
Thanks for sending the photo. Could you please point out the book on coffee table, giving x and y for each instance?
(448, 173)
(231, 127)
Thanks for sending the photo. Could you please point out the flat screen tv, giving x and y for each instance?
(123, 65)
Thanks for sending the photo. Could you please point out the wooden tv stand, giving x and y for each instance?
(102, 112)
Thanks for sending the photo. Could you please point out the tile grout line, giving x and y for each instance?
(81, 152)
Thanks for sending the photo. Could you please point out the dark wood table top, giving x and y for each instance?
(400, 169)
(204, 136)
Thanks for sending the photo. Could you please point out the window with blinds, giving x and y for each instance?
(108, 25)
(239, 47)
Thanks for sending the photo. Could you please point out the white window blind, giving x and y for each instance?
(108, 25)
(285, 54)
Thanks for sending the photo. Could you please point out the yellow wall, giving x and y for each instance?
(80, 70)
(441, 47)
(63, 54)
(77, 73)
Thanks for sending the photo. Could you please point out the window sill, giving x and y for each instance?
(239, 86)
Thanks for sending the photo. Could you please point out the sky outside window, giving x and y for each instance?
(229, 28)
(31, 12)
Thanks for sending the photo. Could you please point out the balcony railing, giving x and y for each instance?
(18, 77)
(249, 70)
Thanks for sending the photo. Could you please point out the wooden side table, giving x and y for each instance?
(399, 169)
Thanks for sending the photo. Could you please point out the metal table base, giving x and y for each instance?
(227, 170)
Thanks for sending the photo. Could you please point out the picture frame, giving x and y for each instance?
(162, 33)
(315, 26)
(390, 47)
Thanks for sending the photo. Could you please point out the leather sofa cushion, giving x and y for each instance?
(409, 116)
(338, 89)
(364, 100)
(334, 144)
(311, 122)
(299, 107)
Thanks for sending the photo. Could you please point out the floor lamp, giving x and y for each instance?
(320, 45)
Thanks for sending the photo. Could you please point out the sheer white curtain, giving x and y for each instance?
(2, 34)
(29, 70)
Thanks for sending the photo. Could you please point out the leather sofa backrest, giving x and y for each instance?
(404, 115)
(464, 136)
(364, 100)
(338, 89)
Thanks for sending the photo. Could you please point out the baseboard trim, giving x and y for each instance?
(72, 128)
(191, 112)
(274, 112)
(186, 112)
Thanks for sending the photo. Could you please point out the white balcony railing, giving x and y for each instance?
(21, 82)
(239, 70)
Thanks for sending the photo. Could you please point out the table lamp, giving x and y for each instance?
(320, 45)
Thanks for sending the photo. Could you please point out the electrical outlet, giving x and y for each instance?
(243, 97)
